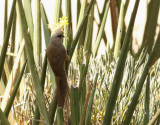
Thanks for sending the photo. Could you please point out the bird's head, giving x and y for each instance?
(58, 33)
(57, 28)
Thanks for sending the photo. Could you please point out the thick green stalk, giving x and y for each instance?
(3, 118)
(37, 43)
(53, 107)
(119, 70)
(89, 31)
(83, 114)
(5, 17)
(136, 95)
(32, 66)
(74, 99)
(60, 119)
(67, 32)
(67, 29)
(6, 38)
(101, 30)
(83, 32)
(82, 12)
(119, 31)
(29, 17)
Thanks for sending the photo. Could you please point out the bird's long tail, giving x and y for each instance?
(62, 89)
(63, 96)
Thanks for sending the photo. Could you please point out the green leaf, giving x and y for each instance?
(6, 38)
(3, 118)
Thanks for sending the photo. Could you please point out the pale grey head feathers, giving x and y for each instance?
(58, 33)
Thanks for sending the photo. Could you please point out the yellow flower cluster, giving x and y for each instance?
(63, 22)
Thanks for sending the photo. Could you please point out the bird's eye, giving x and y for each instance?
(60, 36)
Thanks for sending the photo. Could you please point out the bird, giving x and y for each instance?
(57, 56)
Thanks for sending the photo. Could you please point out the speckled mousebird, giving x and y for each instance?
(57, 56)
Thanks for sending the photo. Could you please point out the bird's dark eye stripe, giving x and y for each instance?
(60, 36)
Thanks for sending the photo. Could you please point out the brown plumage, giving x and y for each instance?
(57, 56)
